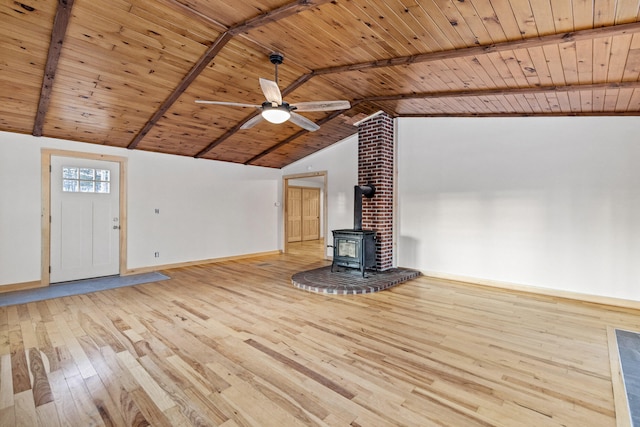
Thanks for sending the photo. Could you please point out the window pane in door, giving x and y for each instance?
(88, 174)
(70, 186)
(103, 175)
(69, 173)
(102, 187)
(87, 186)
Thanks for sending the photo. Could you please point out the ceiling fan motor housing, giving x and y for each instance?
(276, 58)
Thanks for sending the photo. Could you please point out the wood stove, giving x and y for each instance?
(354, 249)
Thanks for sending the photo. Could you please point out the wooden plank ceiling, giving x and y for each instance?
(126, 73)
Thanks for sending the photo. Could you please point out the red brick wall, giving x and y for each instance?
(375, 166)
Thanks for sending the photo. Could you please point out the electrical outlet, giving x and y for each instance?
(157, 210)
(156, 254)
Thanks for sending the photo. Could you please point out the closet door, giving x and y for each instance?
(294, 214)
(310, 213)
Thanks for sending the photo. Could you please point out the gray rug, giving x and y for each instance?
(78, 287)
(629, 350)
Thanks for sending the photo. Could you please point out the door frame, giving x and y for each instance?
(46, 154)
(285, 195)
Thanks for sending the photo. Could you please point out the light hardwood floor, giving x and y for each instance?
(234, 344)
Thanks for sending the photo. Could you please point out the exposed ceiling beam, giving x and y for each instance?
(224, 137)
(614, 30)
(195, 71)
(266, 18)
(296, 84)
(60, 23)
(503, 91)
(274, 15)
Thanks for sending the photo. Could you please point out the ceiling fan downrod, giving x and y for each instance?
(276, 59)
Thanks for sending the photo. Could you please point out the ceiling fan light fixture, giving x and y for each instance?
(276, 115)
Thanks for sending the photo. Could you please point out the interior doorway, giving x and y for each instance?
(302, 220)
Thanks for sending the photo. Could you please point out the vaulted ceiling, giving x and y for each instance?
(126, 73)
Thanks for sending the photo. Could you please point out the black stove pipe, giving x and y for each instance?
(360, 190)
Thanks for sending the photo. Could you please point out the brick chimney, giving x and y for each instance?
(376, 166)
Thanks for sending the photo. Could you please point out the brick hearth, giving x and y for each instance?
(349, 281)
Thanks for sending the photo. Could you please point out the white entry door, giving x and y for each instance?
(85, 223)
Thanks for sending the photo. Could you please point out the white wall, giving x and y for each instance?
(208, 209)
(546, 202)
(340, 160)
(20, 198)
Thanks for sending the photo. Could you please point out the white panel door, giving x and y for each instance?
(85, 223)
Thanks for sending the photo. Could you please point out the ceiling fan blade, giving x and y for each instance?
(322, 106)
(271, 91)
(228, 104)
(252, 122)
(303, 122)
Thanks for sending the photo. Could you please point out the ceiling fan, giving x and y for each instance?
(275, 110)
